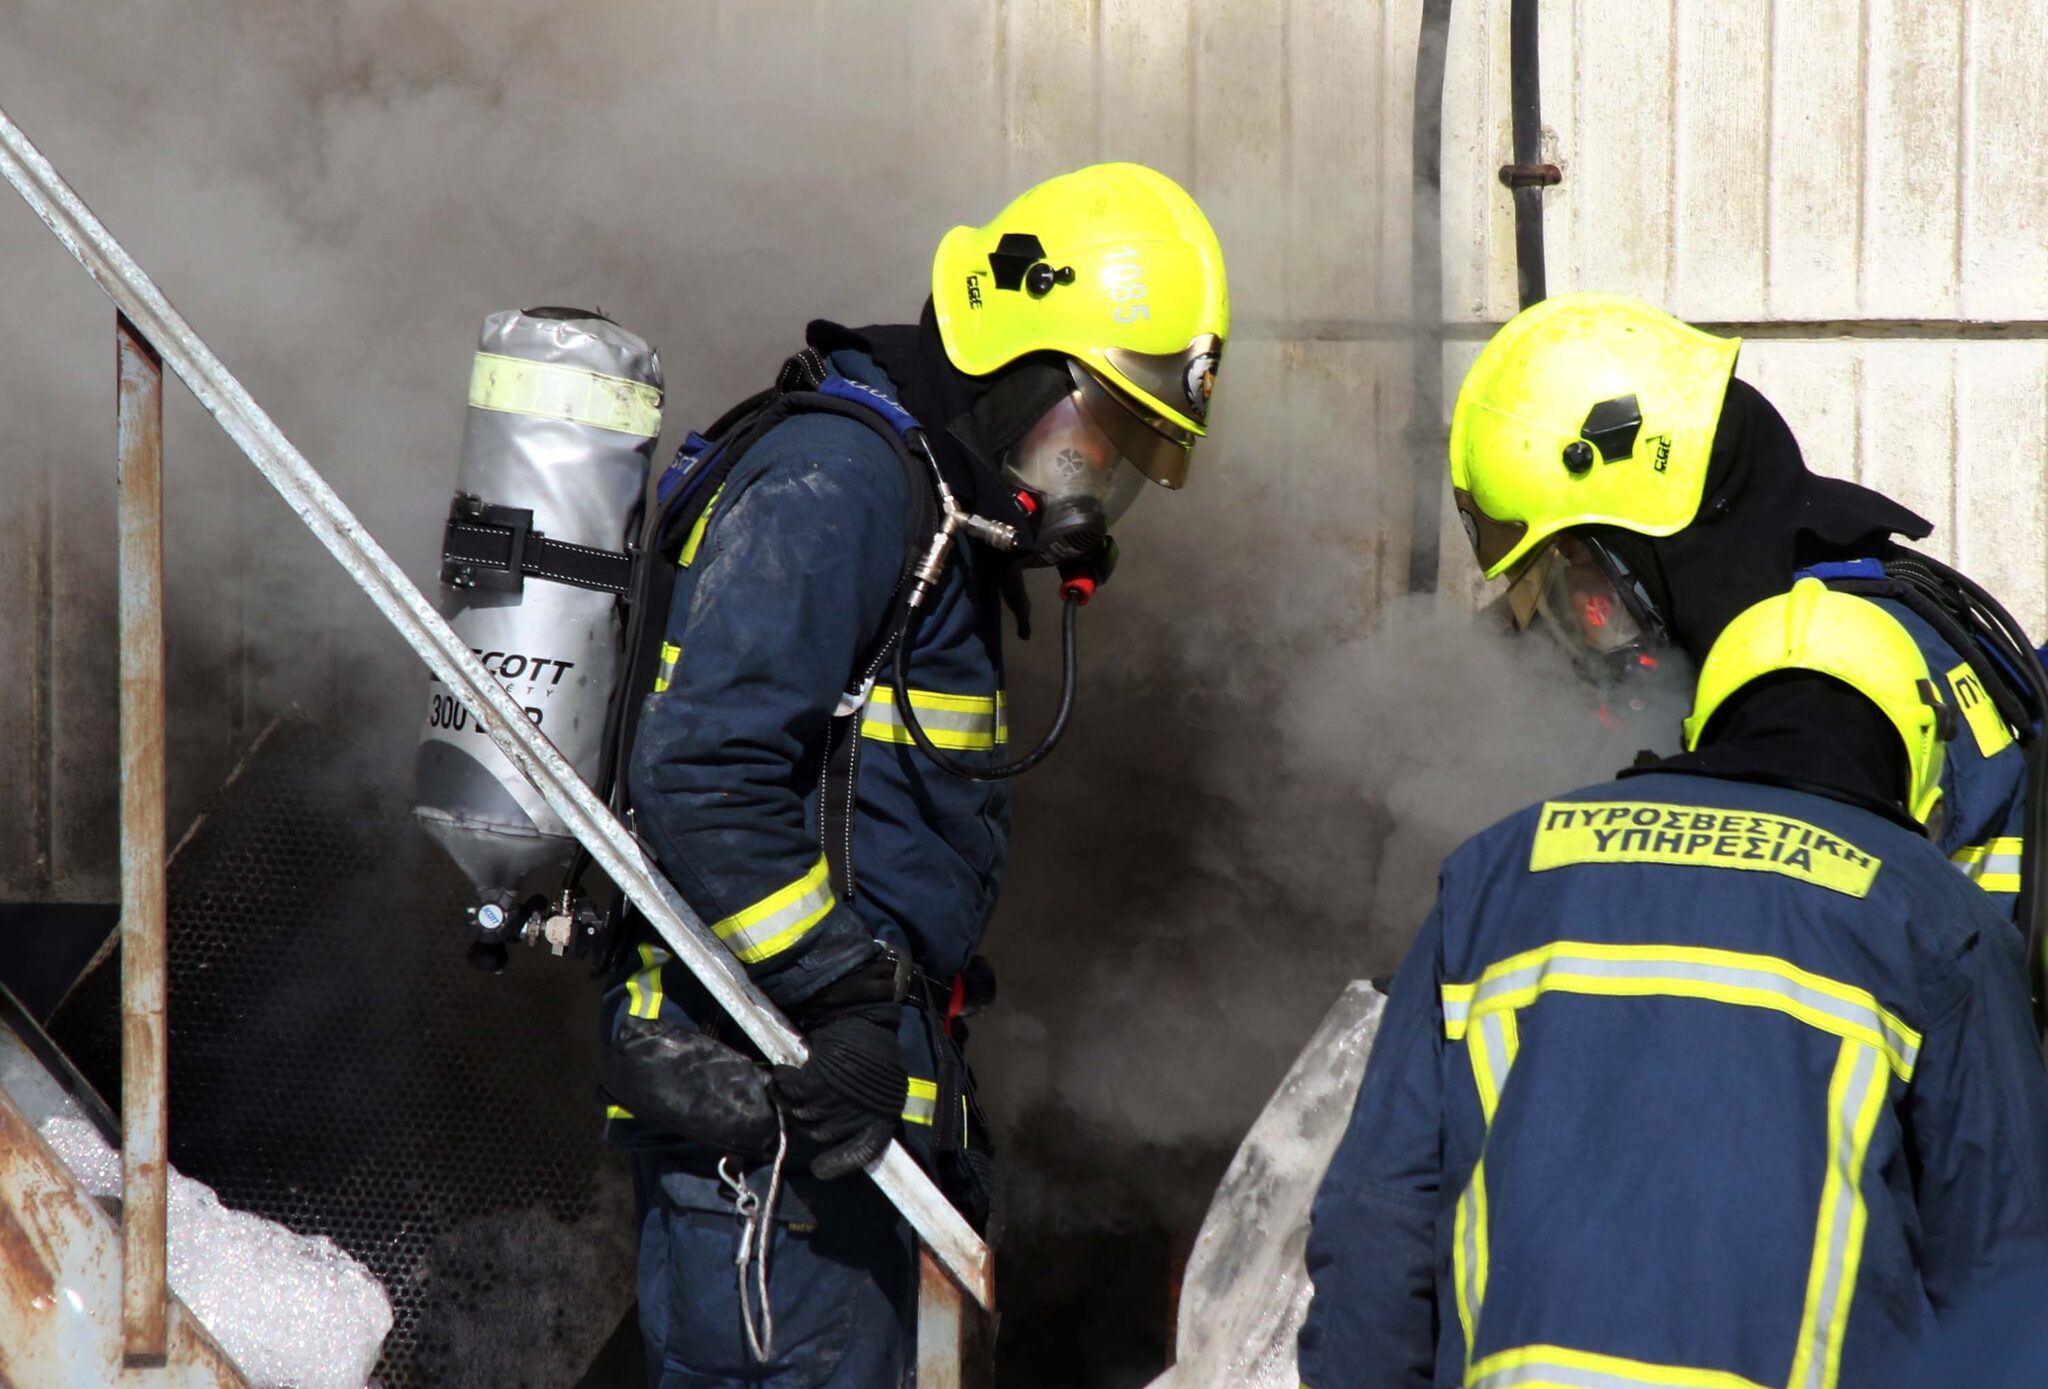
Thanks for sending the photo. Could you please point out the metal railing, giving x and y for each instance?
(151, 333)
(145, 1171)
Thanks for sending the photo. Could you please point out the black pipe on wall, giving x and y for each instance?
(1426, 276)
(1528, 175)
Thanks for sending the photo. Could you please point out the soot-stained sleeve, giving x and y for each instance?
(797, 573)
(1372, 1238)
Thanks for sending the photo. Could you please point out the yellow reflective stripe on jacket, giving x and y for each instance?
(1532, 1366)
(921, 1105)
(780, 919)
(551, 391)
(643, 990)
(959, 723)
(1855, 1098)
(665, 673)
(1992, 736)
(1724, 976)
(1993, 865)
(1492, 1044)
(1468, 1254)
(1576, 832)
(688, 556)
(643, 1000)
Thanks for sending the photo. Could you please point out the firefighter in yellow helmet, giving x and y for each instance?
(1714, 1075)
(1637, 494)
(817, 754)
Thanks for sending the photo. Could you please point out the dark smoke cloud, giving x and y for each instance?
(1264, 770)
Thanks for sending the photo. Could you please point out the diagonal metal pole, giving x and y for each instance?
(950, 1238)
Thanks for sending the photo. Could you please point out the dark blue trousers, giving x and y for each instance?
(842, 1278)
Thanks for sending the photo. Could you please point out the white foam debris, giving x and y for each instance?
(293, 1312)
(1246, 1289)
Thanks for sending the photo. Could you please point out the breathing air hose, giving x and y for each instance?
(2011, 647)
(1074, 597)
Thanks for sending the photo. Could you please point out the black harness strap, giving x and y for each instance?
(840, 774)
(496, 547)
(796, 393)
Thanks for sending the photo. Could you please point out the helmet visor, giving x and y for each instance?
(1585, 596)
(1182, 380)
(1067, 457)
(1156, 447)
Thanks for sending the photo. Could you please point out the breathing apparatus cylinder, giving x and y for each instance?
(564, 409)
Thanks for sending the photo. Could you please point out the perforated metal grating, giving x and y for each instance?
(336, 1065)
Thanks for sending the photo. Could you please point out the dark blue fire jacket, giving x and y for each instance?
(782, 588)
(1754, 1081)
(1984, 781)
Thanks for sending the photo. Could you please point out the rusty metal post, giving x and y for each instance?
(939, 1328)
(144, 1174)
(955, 1336)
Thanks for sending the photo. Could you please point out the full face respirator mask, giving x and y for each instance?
(1071, 467)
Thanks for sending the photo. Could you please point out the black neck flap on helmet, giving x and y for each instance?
(970, 420)
(1808, 732)
(1762, 518)
(973, 422)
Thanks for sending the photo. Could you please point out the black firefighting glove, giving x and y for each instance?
(846, 1099)
(689, 1085)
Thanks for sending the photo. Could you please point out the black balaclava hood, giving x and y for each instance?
(970, 421)
(1808, 732)
(1762, 518)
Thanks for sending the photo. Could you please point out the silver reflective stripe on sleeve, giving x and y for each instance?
(959, 723)
(780, 919)
(1993, 865)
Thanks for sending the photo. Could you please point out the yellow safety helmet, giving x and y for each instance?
(1587, 409)
(1854, 641)
(1114, 267)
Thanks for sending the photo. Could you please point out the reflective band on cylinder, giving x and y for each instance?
(665, 673)
(780, 919)
(551, 391)
(1724, 976)
(1993, 865)
(960, 723)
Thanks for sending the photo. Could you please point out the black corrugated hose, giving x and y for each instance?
(1030, 759)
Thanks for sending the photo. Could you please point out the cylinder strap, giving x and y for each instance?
(496, 547)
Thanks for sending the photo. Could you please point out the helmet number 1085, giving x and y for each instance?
(1124, 278)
